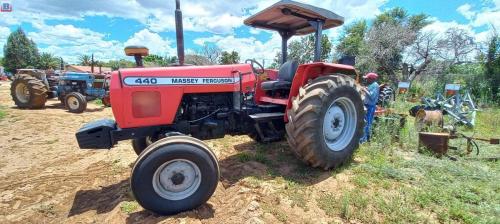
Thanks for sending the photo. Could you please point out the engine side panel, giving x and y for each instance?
(171, 84)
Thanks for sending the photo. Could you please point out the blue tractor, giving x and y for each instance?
(31, 88)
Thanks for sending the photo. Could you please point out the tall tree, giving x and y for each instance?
(457, 46)
(19, 52)
(390, 35)
(302, 50)
(48, 61)
(117, 64)
(351, 40)
(196, 59)
(211, 52)
(229, 58)
(154, 60)
(85, 60)
(492, 66)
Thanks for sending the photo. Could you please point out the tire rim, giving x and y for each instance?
(339, 124)
(22, 93)
(73, 103)
(149, 140)
(177, 179)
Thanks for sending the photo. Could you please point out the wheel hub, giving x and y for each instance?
(339, 124)
(22, 93)
(72, 103)
(177, 179)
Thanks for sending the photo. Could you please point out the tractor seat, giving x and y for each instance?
(285, 77)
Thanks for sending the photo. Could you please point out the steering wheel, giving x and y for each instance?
(256, 71)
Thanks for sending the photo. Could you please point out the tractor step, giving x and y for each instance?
(261, 117)
(269, 106)
(265, 127)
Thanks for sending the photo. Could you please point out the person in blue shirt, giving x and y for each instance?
(371, 98)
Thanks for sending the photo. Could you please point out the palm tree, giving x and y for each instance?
(48, 61)
(85, 60)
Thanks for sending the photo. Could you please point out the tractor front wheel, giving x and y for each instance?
(75, 102)
(139, 144)
(174, 174)
(326, 121)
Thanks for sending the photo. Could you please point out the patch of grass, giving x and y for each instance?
(129, 206)
(361, 181)
(3, 113)
(98, 102)
(405, 186)
(276, 212)
(244, 157)
(46, 209)
(348, 204)
(260, 157)
(297, 193)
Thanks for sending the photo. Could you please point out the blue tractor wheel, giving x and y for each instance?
(75, 102)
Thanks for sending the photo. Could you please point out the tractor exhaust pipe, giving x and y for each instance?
(179, 32)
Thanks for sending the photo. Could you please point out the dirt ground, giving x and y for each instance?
(46, 178)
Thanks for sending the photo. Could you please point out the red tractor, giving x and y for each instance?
(168, 111)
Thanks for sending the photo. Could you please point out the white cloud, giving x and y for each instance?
(70, 42)
(248, 47)
(153, 41)
(439, 27)
(4, 34)
(488, 15)
(487, 18)
(219, 16)
(465, 10)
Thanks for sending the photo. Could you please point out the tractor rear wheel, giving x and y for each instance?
(174, 174)
(75, 102)
(326, 121)
(28, 92)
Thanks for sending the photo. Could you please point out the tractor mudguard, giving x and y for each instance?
(307, 72)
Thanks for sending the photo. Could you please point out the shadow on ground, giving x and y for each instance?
(262, 161)
(269, 161)
(101, 200)
(205, 211)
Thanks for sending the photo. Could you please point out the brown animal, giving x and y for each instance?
(425, 119)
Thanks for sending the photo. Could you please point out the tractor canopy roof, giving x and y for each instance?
(294, 17)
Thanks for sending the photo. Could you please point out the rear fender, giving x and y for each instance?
(311, 71)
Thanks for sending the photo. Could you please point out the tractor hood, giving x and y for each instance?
(168, 85)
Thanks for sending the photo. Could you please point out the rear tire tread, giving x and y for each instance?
(304, 114)
(38, 91)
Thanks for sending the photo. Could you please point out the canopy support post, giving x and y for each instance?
(318, 26)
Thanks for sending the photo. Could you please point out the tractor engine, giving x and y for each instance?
(206, 116)
(67, 86)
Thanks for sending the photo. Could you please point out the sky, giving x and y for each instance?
(71, 28)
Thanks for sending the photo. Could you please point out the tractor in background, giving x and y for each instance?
(30, 89)
(167, 112)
